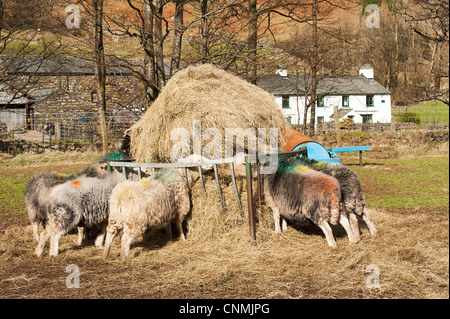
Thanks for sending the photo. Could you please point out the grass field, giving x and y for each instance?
(407, 193)
(432, 112)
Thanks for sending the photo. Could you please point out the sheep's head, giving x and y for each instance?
(193, 173)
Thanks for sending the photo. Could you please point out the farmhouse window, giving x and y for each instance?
(320, 102)
(320, 119)
(369, 100)
(345, 101)
(285, 101)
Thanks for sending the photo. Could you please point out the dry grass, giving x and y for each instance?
(218, 261)
(203, 93)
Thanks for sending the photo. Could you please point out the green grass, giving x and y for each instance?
(407, 184)
(430, 112)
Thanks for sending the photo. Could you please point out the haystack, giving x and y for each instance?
(208, 94)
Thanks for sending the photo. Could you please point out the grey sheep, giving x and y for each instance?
(352, 198)
(298, 192)
(38, 189)
(80, 202)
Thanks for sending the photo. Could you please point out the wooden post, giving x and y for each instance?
(58, 131)
(360, 159)
(336, 123)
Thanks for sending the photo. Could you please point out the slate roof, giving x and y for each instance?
(59, 65)
(329, 85)
(6, 97)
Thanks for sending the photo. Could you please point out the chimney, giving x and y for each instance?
(367, 71)
(281, 70)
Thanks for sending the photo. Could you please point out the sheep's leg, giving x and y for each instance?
(54, 243)
(354, 226)
(276, 219)
(370, 224)
(343, 220)
(44, 237)
(101, 235)
(179, 225)
(111, 233)
(80, 235)
(328, 234)
(125, 246)
(283, 223)
(35, 227)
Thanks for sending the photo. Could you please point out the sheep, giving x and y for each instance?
(38, 189)
(36, 197)
(151, 202)
(352, 198)
(80, 202)
(297, 193)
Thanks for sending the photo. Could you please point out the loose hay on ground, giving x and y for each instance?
(293, 265)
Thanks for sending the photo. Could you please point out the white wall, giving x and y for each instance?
(381, 112)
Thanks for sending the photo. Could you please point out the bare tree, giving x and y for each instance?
(100, 69)
(313, 47)
(430, 20)
(24, 46)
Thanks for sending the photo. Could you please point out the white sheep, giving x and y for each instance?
(151, 202)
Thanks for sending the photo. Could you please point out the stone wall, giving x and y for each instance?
(74, 99)
(20, 146)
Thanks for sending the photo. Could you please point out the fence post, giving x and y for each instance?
(337, 125)
(58, 131)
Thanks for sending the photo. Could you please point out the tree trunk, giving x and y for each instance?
(100, 70)
(177, 38)
(204, 30)
(252, 41)
(149, 58)
(312, 122)
(159, 54)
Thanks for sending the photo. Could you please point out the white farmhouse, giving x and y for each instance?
(359, 97)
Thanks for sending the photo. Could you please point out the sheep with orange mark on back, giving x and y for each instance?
(38, 189)
(298, 192)
(81, 202)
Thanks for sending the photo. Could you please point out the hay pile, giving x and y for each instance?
(203, 93)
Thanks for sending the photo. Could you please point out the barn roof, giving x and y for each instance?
(58, 65)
